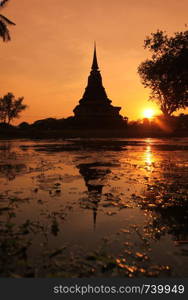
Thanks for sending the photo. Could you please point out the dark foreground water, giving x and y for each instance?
(92, 208)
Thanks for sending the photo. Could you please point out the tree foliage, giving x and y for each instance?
(166, 73)
(10, 108)
(4, 23)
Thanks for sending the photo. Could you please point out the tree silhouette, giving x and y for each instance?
(166, 73)
(4, 23)
(10, 108)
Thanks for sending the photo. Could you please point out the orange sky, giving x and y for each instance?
(49, 58)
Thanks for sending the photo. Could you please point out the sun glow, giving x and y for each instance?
(148, 113)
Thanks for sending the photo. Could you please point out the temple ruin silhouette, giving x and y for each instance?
(95, 108)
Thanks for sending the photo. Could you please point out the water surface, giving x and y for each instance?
(94, 208)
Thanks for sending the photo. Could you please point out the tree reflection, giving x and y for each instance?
(9, 168)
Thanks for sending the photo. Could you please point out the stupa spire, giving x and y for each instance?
(95, 66)
(94, 109)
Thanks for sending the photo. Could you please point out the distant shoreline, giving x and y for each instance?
(92, 133)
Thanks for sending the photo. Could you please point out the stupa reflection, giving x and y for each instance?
(94, 175)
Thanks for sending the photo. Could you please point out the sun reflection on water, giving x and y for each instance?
(148, 157)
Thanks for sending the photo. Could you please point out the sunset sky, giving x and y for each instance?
(49, 58)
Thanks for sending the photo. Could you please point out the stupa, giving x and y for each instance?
(95, 109)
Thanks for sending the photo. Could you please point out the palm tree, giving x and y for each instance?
(4, 23)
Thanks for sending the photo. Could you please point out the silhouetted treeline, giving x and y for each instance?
(174, 126)
(160, 126)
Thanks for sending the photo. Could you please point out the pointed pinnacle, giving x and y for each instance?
(95, 64)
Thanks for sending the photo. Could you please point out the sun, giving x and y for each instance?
(148, 113)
